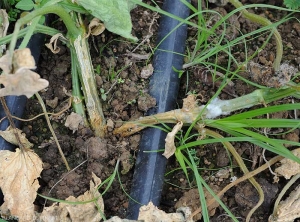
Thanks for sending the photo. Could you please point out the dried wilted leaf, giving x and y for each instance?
(5, 63)
(151, 213)
(22, 59)
(10, 137)
(77, 213)
(3, 27)
(189, 103)
(18, 181)
(289, 167)
(4, 22)
(52, 45)
(23, 82)
(289, 209)
(17, 78)
(170, 144)
(73, 121)
(96, 27)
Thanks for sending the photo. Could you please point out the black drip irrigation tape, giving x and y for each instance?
(16, 104)
(150, 166)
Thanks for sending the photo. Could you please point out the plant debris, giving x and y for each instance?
(17, 77)
(289, 167)
(151, 213)
(289, 209)
(18, 182)
(79, 212)
(170, 147)
(73, 121)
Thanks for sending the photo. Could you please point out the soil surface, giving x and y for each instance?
(123, 82)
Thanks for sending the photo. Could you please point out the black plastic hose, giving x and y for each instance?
(16, 104)
(149, 172)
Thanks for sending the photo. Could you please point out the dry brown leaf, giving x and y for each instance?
(52, 102)
(10, 137)
(151, 213)
(22, 59)
(52, 45)
(189, 103)
(170, 147)
(87, 212)
(23, 82)
(73, 121)
(5, 63)
(4, 23)
(17, 78)
(289, 209)
(3, 27)
(289, 167)
(18, 181)
(96, 27)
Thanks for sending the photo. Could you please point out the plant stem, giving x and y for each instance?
(89, 87)
(77, 103)
(52, 131)
(259, 96)
(39, 29)
(73, 31)
(77, 40)
(264, 22)
(30, 32)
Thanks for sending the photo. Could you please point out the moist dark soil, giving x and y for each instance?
(121, 79)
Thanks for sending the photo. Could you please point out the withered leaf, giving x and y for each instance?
(96, 27)
(17, 77)
(289, 167)
(5, 63)
(153, 214)
(87, 212)
(289, 209)
(10, 137)
(22, 59)
(52, 45)
(73, 121)
(18, 181)
(170, 147)
(23, 82)
(3, 27)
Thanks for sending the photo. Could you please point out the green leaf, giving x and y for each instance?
(25, 5)
(115, 14)
(292, 4)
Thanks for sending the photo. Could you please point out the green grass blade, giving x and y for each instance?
(263, 111)
(201, 182)
(260, 123)
(200, 190)
(269, 144)
(180, 158)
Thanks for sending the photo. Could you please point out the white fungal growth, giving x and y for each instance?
(216, 108)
